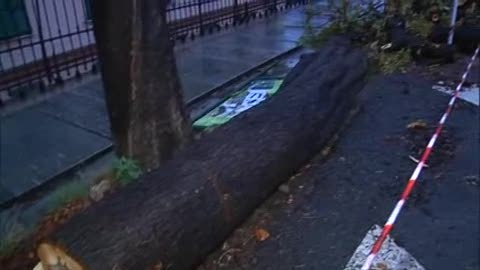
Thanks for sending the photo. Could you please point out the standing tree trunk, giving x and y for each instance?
(143, 92)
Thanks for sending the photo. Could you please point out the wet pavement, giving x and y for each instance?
(44, 139)
(319, 218)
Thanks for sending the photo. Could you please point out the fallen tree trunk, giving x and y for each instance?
(179, 213)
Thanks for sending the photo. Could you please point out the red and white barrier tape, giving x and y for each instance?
(411, 183)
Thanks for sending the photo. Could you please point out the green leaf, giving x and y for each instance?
(126, 170)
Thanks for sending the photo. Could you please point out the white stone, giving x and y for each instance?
(97, 192)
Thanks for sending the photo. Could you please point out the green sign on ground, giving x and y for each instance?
(254, 94)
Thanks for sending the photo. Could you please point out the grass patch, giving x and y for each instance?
(68, 193)
(12, 232)
(126, 170)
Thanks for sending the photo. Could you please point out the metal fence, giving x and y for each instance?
(45, 42)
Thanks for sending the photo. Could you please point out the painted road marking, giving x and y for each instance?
(392, 256)
(469, 93)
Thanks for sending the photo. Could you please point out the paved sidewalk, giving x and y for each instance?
(45, 139)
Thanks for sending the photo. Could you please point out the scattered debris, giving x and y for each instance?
(419, 124)
(326, 151)
(472, 180)
(227, 256)
(284, 188)
(417, 139)
(438, 176)
(290, 199)
(417, 161)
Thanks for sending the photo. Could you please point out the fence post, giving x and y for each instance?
(235, 12)
(46, 63)
(200, 16)
(265, 8)
(246, 16)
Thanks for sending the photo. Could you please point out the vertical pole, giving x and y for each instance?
(235, 12)
(265, 8)
(247, 15)
(453, 21)
(200, 17)
(42, 42)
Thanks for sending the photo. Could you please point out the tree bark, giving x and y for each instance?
(143, 92)
(180, 212)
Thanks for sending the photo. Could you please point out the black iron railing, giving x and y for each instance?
(45, 42)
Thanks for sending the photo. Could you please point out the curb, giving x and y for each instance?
(57, 179)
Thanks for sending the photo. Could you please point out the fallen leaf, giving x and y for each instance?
(261, 235)
(158, 266)
(419, 124)
(326, 151)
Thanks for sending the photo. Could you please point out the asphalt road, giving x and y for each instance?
(318, 222)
